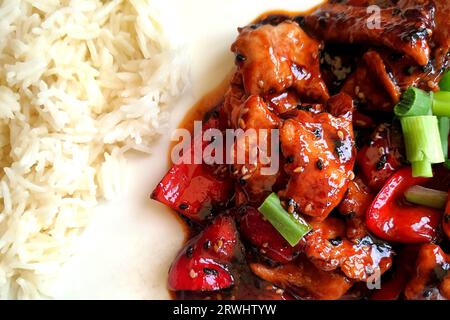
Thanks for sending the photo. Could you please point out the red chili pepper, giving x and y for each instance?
(379, 160)
(391, 218)
(266, 238)
(202, 265)
(193, 189)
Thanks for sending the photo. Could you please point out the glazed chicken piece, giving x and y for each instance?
(372, 85)
(432, 276)
(305, 280)
(272, 59)
(253, 175)
(404, 32)
(319, 152)
(357, 200)
(328, 249)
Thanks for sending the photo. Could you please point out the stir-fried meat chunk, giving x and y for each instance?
(405, 32)
(320, 155)
(276, 58)
(327, 247)
(252, 116)
(432, 276)
(372, 84)
(357, 200)
(305, 280)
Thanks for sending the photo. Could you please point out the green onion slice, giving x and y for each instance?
(423, 144)
(441, 104)
(414, 102)
(427, 197)
(445, 82)
(444, 129)
(291, 226)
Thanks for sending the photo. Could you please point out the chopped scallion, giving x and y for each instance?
(292, 228)
(427, 197)
(414, 102)
(444, 129)
(441, 104)
(423, 143)
(445, 82)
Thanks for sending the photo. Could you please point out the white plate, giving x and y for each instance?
(126, 251)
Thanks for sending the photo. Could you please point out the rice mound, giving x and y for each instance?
(81, 83)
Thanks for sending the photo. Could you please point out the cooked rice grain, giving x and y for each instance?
(81, 82)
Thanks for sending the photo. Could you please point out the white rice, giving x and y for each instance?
(81, 82)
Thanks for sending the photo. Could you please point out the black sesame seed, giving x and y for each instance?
(209, 271)
(319, 164)
(382, 163)
(207, 245)
(304, 108)
(189, 251)
(290, 159)
(336, 242)
(240, 57)
(242, 182)
(183, 206)
(447, 218)
(317, 133)
(427, 293)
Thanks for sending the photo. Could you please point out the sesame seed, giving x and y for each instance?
(381, 151)
(430, 84)
(291, 208)
(361, 95)
(244, 111)
(265, 244)
(308, 207)
(280, 291)
(340, 134)
(351, 176)
(193, 274)
(327, 15)
(263, 251)
(242, 123)
(244, 170)
(246, 177)
(298, 170)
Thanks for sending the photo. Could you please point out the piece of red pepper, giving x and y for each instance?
(203, 263)
(391, 218)
(379, 159)
(193, 189)
(266, 238)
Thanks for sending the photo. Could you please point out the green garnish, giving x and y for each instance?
(291, 226)
(414, 102)
(444, 129)
(441, 104)
(444, 84)
(427, 197)
(423, 144)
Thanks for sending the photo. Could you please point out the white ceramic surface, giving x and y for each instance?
(127, 249)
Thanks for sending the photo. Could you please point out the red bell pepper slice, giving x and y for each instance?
(193, 189)
(391, 218)
(266, 238)
(202, 265)
(380, 159)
